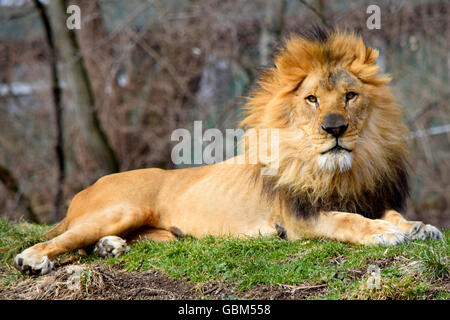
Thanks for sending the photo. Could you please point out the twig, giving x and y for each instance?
(165, 64)
(431, 131)
(295, 288)
(317, 13)
(425, 109)
(19, 15)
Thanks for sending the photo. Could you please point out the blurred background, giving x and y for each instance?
(79, 104)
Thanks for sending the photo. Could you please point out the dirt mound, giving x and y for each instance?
(98, 282)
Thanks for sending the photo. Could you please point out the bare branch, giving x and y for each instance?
(316, 12)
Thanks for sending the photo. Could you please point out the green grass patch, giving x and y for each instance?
(415, 270)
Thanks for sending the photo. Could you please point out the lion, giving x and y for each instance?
(342, 170)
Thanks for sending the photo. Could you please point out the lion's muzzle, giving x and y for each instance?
(334, 124)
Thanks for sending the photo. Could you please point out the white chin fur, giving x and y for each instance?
(332, 161)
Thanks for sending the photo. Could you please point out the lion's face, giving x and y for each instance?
(331, 109)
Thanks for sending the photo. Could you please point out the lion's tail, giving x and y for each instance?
(57, 230)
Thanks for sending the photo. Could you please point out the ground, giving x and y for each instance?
(225, 268)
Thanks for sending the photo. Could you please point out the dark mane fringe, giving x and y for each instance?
(316, 33)
(391, 193)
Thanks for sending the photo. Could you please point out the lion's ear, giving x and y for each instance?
(364, 55)
(371, 56)
(290, 79)
(368, 73)
(289, 70)
(294, 62)
(365, 65)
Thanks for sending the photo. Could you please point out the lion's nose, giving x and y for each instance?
(335, 124)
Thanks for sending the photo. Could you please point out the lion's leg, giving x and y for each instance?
(415, 229)
(354, 228)
(113, 246)
(81, 233)
(154, 234)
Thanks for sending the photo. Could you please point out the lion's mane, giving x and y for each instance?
(378, 178)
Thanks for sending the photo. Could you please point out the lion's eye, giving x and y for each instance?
(350, 95)
(311, 98)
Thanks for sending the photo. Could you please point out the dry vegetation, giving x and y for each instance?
(97, 282)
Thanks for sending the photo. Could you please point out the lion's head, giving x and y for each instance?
(342, 139)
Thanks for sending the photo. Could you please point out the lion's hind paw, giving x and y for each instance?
(111, 246)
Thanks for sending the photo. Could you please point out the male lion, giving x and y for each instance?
(342, 170)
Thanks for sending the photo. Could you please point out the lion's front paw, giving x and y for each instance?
(389, 239)
(33, 263)
(422, 231)
(387, 235)
(111, 246)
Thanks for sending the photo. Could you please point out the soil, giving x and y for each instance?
(98, 282)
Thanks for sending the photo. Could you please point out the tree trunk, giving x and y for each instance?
(94, 137)
(57, 213)
(23, 203)
(274, 21)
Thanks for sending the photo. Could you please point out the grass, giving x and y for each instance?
(415, 270)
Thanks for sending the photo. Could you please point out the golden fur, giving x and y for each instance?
(325, 91)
